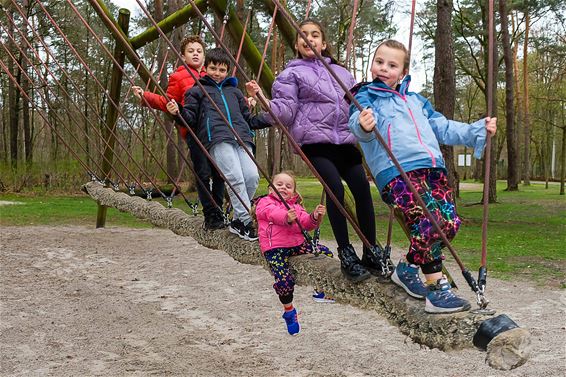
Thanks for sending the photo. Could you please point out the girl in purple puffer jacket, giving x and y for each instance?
(310, 103)
(280, 238)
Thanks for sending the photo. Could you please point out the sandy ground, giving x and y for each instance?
(76, 301)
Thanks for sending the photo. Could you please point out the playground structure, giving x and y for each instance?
(444, 332)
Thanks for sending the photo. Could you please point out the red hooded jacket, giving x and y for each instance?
(179, 82)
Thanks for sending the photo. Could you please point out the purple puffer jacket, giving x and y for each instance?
(310, 103)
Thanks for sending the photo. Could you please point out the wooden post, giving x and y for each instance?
(108, 132)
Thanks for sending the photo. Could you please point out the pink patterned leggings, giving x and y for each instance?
(432, 186)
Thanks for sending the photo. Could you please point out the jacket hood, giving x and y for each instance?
(182, 68)
(289, 201)
(228, 81)
(402, 88)
(305, 62)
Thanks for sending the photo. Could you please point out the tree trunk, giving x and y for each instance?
(518, 105)
(527, 128)
(563, 162)
(87, 79)
(512, 155)
(444, 80)
(492, 197)
(13, 100)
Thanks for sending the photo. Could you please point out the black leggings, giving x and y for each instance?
(342, 162)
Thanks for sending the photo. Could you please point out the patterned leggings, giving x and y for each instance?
(278, 260)
(432, 186)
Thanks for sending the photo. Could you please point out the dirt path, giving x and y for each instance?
(76, 301)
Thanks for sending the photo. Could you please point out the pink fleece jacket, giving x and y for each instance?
(273, 229)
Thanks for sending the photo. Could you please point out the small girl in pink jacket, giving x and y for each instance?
(280, 238)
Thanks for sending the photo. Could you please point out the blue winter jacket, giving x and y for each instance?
(411, 128)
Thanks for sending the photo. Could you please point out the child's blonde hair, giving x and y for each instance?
(392, 43)
(291, 174)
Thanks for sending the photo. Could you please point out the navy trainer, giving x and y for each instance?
(441, 299)
(407, 277)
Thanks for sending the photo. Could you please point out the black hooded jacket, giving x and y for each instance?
(207, 123)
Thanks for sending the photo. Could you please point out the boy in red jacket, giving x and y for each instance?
(192, 51)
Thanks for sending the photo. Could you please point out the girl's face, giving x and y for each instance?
(194, 55)
(285, 184)
(314, 36)
(388, 65)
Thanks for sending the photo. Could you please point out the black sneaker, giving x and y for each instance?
(351, 266)
(238, 228)
(250, 232)
(213, 222)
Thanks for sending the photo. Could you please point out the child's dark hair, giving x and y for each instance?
(327, 52)
(392, 43)
(191, 39)
(217, 56)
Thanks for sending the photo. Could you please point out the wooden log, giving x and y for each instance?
(442, 331)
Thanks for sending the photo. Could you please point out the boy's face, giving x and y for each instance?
(194, 55)
(388, 65)
(217, 72)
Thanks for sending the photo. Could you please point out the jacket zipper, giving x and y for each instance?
(404, 98)
(227, 109)
(269, 232)
(208, 128)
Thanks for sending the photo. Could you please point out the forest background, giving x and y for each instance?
(51, 136)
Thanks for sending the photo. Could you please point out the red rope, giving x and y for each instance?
(244, 33)
(351, 33)
(266, 44)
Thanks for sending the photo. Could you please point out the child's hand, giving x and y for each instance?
(491, 125)
(251, 102)
(137, 91)
(291, 216)
(367, 120)
(252, 87)
(172, 107)
(319, 212)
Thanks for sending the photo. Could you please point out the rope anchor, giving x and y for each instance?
(193, 206)
(148, 193)
(169, 200)
(481, 300)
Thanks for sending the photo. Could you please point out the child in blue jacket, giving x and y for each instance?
(413, 131)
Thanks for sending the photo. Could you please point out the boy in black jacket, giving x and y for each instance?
(238, 168)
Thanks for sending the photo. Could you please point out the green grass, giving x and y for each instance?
(42, 209)
(526, 231)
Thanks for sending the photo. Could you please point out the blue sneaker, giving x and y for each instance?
(407, 277)
(322, 298)
(293, 326)
(440, 299)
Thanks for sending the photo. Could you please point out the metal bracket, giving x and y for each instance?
(169, 201)
(148, 193)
